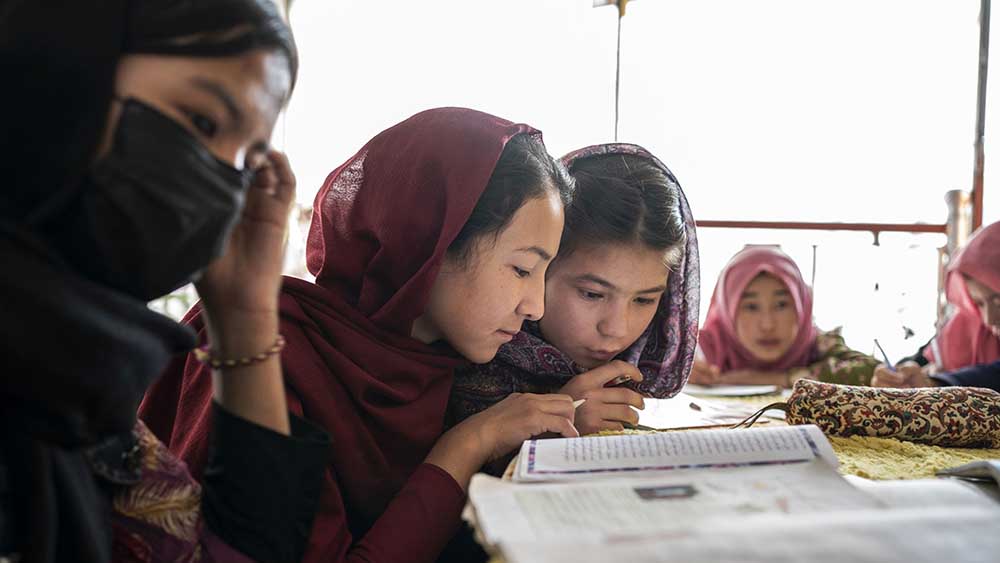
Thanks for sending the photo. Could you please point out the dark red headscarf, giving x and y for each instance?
(382, 224)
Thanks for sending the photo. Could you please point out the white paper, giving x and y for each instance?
(598, 510)
(686, 411)
(928, 535)
(580, 458)
(730, 390)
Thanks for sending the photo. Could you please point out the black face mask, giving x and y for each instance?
(156, 210)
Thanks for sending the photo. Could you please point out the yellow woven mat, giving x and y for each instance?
(886, 458)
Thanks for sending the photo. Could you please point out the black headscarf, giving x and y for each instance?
(77, 356)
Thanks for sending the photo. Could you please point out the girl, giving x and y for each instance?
(621, 298)
(137, 160)
(759, 329)
(429, 247)
(967, 349)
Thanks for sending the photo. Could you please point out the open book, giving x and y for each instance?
(594, 456)
(763, 494)
(921, 535)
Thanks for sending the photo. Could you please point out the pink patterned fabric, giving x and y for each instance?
(965, 340)
(160, 518)
(663, 353)
(718, 337)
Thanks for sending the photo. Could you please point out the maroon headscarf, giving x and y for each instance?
(718, 338)
(383, 222)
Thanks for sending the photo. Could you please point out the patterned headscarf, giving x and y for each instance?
(663, 353)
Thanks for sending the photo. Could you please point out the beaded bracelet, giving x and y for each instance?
(205, 355)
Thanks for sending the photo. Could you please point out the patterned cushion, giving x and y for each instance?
(942, 416)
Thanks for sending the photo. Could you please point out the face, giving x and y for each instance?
(229, 103)
(987, 301)
(766, 320)
(600, 299)
(480, 305)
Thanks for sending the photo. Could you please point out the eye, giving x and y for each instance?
(205, 125)
(520, 272)
(750, 307)
(645, 301)
(590, 295)
(781, 305)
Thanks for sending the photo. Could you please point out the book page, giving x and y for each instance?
(918, 493)
(595, 510)
(574, 458)
(928, 535)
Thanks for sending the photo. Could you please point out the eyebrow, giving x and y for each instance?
(220, 92)
(606, 284)
(777, 293)
(536, 250)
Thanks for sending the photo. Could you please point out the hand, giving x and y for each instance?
(489, 434)
(907, 375)
(704, 373)
(607, 408)
(242, 285)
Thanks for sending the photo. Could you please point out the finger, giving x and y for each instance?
(265, 178)
(620, 413)
(560, 425)
(550, 396)
(546, 404)
(611, 426)
(285, 187)
(618, 395)
(609, 372)
(888, 379)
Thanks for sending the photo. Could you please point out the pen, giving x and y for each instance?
(888, 364)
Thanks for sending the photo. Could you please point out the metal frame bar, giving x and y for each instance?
(984, 58)
(873, 228)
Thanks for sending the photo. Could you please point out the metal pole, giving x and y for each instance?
(618, 62)
(984, 57)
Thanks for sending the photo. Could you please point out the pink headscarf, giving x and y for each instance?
(718, 337)
(965, 340)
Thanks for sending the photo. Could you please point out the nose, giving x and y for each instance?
(766, 321)
(991, 315)
(532, 304)
(614, 323)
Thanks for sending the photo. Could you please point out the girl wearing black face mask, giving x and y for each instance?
(135, 160)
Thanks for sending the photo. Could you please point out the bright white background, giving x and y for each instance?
(765, 110)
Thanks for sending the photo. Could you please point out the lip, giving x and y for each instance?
(769, 342)
(603, 355)
(508, 334)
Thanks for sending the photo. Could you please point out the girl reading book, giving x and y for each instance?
(621, 298)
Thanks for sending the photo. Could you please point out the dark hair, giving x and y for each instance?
(214, 28)
(624, 199)
(524, 171)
